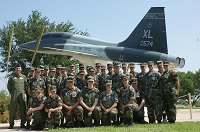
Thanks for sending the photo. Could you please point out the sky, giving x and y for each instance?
(114, 20)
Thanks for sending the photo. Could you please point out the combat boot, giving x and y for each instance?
(129, 122)
(79, 124)
(56, 125)
(96, 123)
(28, 126)
(10, 127)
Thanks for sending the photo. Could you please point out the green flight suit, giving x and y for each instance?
(16, 88)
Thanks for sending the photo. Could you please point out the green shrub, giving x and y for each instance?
(4, 101)
(4, 106)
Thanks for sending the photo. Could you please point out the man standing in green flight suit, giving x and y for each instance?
(16, 88)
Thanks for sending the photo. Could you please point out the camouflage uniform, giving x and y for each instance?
(39, 116)
(102, 79)
(81, 83)
(139, 115)
(132, 74)
(128, 94)
(51, 81)
(170, 92)
(107, 100)
(141, 84)
(89, 96)
(117, 83)
(110, 66)
(59, 85)
(34, 83)
(153, 96)
(70, 97)
(56, 116)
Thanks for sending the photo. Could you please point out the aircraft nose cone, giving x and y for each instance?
(28, 46)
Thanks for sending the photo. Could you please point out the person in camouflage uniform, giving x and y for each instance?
(138, 115)
(117, 78)
(102, 79)
(108, 102)
(53, 106)
(141, 80)
(116, 85)
(80, 79)
(72, 70)
(51, 80)
(35, 82)
(170, 86)
(125, 69)
(89, 97)
(58, 77)
(153, 94)
(110, 69)
(98, 69)
(36, 110)
(161, 71)
(16, 87)
(92, 73)
(31, 75)
(71, 109)
(133, 74)
(128, 101)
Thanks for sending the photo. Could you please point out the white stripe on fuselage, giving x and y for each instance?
(87, 50)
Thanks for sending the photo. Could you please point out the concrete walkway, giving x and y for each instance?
(183, 115)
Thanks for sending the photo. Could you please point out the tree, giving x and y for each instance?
(25, 31)
(190, 83)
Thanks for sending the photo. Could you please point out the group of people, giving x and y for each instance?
(94, 96)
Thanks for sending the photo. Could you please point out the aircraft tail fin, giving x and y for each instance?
(150, 33)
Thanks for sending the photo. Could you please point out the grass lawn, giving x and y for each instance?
(176, 127)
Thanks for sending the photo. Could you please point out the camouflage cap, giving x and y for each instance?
(150, 63)
(98, 64)
(108, 82)
(143, 64)
(124, 65)
(72, 65)
(58, 67)
(159, 63)
(37, 69)
(109, 65)
(53, 88)
(81, 73)
(18, 65)
(124, 76)
(70, 78)
(41, 67)
(91, 69)
(53, 69)
(134, 80)
(90, 78)
(81, 65)
(46, 68)
(63, 69)
(131, 65)
(88, 67)
(166, 63)
(116, 63)
(103, 67)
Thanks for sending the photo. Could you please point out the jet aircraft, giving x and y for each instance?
(147, 42)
